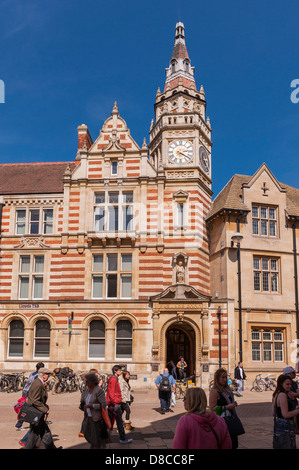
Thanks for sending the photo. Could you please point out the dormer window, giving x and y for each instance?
(186, 65)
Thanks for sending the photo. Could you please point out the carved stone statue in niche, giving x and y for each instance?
(180, 272)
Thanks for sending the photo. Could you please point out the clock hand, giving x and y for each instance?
(183, 153)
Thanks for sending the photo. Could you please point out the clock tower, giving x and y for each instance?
(180, 136)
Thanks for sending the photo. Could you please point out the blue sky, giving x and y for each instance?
(64, 63)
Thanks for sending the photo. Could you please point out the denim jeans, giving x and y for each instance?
(165, 400)
(119, 421)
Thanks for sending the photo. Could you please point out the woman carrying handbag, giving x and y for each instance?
(284, 432)
(94, 404)
(222, 401)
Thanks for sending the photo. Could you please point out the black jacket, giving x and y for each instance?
(238, 375)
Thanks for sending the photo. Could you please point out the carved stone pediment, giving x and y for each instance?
(114, 143)
(180, 292)
(32, 242)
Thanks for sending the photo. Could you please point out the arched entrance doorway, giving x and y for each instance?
(180, 341)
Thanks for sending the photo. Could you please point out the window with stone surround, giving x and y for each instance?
(264, 220)
(42, 333)
(34, 221)
(96, 339)
(267, 345)
(123, 339)
(31, 277)
(15, 339)
(113, 211)
(112, 275)
(265, 274)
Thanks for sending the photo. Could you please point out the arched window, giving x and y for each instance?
(96, 341)
(16, 338)
(124, 337)
(42, 339)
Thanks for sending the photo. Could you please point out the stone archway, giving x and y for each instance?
(180, 341)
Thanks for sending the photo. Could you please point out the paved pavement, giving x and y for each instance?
(152, 429)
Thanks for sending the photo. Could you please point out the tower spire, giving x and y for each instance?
(180, 64)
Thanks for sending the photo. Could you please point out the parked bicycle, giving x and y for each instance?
(261, 384)
(181, 386)
(230, 382)
(12, 382)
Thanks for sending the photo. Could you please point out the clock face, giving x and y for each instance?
(204, 159)
(180, 151)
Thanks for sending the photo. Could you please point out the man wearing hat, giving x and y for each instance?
(37, 397)
(294, 393)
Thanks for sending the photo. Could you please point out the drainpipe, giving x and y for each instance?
(296, 277)
(240, 296)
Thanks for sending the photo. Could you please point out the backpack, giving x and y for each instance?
(165, 384)
(17, 407)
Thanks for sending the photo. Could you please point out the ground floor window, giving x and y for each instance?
(267, 345)
(42, 339)
(124, 339)
(96, 341)
(15, 338)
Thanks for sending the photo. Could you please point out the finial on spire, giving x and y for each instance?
(115, 108)
(144, 145)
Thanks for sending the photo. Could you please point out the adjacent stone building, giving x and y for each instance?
(120, 256)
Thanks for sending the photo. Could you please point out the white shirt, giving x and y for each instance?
(88, 397)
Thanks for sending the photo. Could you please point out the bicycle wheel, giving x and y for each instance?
(257, 386)
(179, 393)
(272, 385)
(4, 384)
(18, 384)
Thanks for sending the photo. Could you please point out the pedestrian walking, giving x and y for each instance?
(28, 383)
(181, 367)
(165, 383)
(240, 376)
(100, 384)
(284, 432)
(126, 398)
(172, 369)
(221, 400)
(200, 428)
(37, 397)
(293, 395)
(92, 403)
(113, 397)
(25, 390)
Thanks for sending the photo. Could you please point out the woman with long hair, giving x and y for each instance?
(126, 391)
(200, 428)
(284, 433)
(222, 398)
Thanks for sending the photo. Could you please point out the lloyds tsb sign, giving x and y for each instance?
(2, 92)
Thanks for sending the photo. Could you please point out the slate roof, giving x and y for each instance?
(230, 198)
(32, 178)
(180, 51)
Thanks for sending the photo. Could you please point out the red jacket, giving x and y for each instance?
(113, 395)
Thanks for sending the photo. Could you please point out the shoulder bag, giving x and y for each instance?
(233, 422)
(30, 414)
(282, 440)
